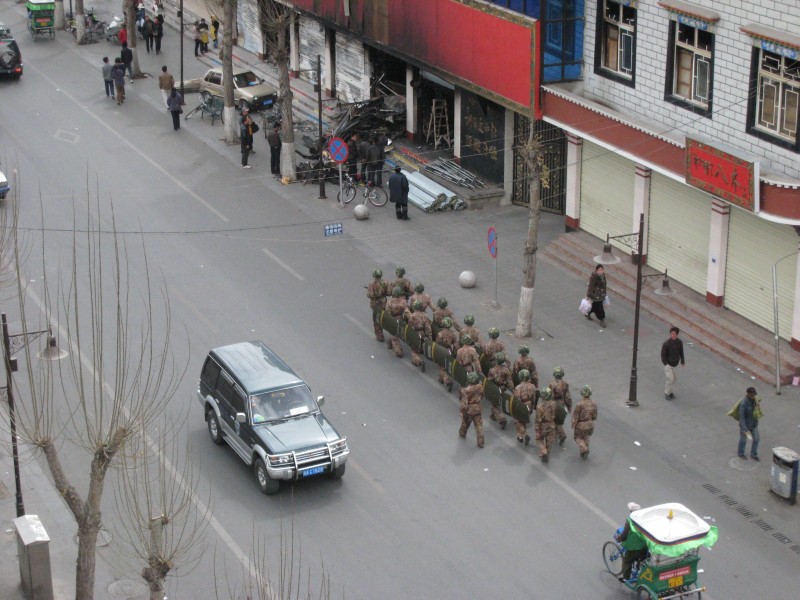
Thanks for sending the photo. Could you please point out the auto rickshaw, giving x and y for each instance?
(674, 535)
(41, 18)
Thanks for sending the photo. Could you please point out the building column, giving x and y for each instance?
(411, 103)
(717, 252)
(795, 342)
(294, 47)
(457, 124)
(328, 64)
(508, 157)
(572, 209)
(641, 205)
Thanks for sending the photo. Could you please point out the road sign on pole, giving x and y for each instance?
(339, 150)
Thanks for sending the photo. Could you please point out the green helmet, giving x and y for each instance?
(469, 320)
(377, 273)
(447, 322)
(500, 357)
(441, 303)
(397, 291)
(494, 333)
(586, 391)
(419, 288)
(523, 350)
(467, 340)
(524, 375)
(399, 271)
(473, 378)
(558, 372)
(417, 306)
(546, 394)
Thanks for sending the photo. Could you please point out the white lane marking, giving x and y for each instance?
(359, 324)
(286, 267)
(122, 138)
(370, 480)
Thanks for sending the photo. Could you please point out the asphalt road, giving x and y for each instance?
(420, 513)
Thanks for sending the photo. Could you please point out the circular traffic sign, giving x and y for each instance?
(492, 242)
(338, 149)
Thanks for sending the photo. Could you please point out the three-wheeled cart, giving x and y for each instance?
(41, 18)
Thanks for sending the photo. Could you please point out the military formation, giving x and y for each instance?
(482, 370)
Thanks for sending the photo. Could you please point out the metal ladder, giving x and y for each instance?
(439, 124)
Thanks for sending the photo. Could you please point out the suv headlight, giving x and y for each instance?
(339, 446)
(280, 460)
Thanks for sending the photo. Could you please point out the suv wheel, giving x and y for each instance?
(338, 472)
(265, 483)
(213, 427)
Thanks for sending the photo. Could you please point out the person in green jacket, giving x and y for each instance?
(634, 544)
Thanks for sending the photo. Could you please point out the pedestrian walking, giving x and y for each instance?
(563, 398)
(526, 393)
(246, 137)
(122, 35)
(545, 423)
(749, 412)
(108, 78)
(166, 83)
(203, 29)
(583, 418)
(377, 292)
(126, 56)
(596, 294)
(158, 32)
(446, 338)
(397, 307)
(198, 45)
(147, 32)
(174, 103)
(398, 193)
(470, 407)
(214, 30)
(671, 356)
(118, 75)
(275, 143)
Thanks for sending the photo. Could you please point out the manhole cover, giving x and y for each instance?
(103, 538)
(127, 589)
(741, 464)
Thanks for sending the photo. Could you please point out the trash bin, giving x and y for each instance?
(784, 473)
(33, 545)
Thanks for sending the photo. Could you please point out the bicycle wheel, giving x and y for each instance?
(192, 112)
(612, 557)
(377, 196)
(347, 193)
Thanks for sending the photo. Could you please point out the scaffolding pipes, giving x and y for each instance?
(426, 194)
(451, 171)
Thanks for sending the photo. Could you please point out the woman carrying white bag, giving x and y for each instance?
(596, 294)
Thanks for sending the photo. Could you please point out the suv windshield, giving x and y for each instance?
(282, 404)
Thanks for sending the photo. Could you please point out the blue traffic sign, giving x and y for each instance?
(338, 149)
(492, 242)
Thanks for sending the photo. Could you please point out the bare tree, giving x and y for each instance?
(538, 174)
(276, 19)
(118, 378)
(229, 111)
(130, 25)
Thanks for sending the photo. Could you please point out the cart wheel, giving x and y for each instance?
(697, 595)
(612, 557)
(642, 593)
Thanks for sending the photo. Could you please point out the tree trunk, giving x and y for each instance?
(229, 112)
(525, 312)
(286, 98)
(130, 18)
(80, 22)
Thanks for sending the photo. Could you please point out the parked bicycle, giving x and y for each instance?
(375, 195)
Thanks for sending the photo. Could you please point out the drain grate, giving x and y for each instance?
(746, 512)
(711, 488)
(781, 538)
(728, 500)
(795, 548)
(764, 525)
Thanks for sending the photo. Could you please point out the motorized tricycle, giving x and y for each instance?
(41, 18)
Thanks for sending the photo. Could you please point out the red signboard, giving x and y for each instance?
(722, 174)
(664, 575)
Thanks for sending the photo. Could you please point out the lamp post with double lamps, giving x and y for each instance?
(634, 241)
(11, 345)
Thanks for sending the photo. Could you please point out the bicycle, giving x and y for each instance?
(375, 195)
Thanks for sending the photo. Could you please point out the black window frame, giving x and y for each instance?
(599, 47)
(669, 83)
(752, 109)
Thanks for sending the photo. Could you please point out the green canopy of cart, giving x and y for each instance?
(36, 5)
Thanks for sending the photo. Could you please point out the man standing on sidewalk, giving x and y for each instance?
(274, 141)
(398, 194)
(108, 78)
(671, 355)
(246, 136)
(126, 56)
(748, 424)
(165, 83)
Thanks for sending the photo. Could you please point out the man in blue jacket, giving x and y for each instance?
(748, 423)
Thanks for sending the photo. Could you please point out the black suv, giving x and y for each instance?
(255, 402)
(10, 56)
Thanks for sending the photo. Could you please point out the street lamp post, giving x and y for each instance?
(12, 344)
(775, 321)
(180, 15)
(322, 195)
(635, 241)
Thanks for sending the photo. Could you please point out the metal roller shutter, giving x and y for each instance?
(249, 27)
(312, 44)
(754, 245)
(606, 192)
(350, 69)
(678, 233)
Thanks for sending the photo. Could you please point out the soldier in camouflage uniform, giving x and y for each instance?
(583, 420)
(563, 400)
(419, 295)
(441, 312)
(467, 356)
(493, 346)
(471, 397)
(545, 423)
(447, 338)
(472, 332)
(526, 393)
(402, 282)
(397, 307)
(523, 362)
(422, 325)
(500, 374)
(376, 292)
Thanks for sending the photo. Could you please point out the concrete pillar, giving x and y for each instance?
(508, 157)
(411, 104)
(717, 252)
(572, 210)
(457, 123)
(328, 64)
(294, 47)
(641, 204)
(796, 308)
(366, 93)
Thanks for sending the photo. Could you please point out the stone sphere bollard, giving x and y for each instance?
(467, 279)
(361, 212)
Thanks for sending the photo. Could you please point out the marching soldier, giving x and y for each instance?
(376, 292)
(471, 331)
(583, 420)
(471, 397)
(500, 374)
(526, 393)
(563, 400)
(422, 325)
(405, 284)
(545, 423)
(447, 338)
(467, 356)
(493, 346)
(397, 306)
(441, 312)
(523, 362)
(419, 295)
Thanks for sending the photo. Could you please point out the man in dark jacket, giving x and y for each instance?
(596, 293)
(748, 423)
(148, 30)
(671, 355)
(352, 156)
(373, 161)
(363, 158)
(246, 137)
(127, 59)
(275, 143)
(398, 193)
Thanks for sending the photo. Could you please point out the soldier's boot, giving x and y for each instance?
(584, 454)
(561, 440)
(378, 332)
(480, 441)
(449, 385)
(527, 439)
(462, 433)
(416, 360)
(545, 458)
(398, 349)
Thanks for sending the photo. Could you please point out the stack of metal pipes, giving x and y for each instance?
(426, 194)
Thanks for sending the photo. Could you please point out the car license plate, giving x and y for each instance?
(318, 470)
(675, 581)
(267, 103)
